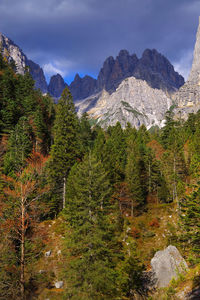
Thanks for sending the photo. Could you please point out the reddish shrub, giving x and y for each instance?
(135, 232)
(154, 223)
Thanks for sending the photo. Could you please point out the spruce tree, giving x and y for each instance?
(90, 241)
(64, 151)
(190, 219)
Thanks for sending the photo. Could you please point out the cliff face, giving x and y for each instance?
(187, 98)
(82, 87)
(13, 53)
(38, 75)
(134, 101)
(158, 72)
(56, 86)
(153, 67)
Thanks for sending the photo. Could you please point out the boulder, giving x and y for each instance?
(167, 264)
(59, 284)
(48, 253)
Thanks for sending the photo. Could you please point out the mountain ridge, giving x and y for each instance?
(152, 67)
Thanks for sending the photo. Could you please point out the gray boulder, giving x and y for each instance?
(48, 253)
(59, 284)
(167, 264)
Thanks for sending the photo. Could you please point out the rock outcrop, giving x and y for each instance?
(153, 67)
(187, 98)
(82, 87)
(56, 86)
(115, 70)
(38, 75)
(158, 72)
(134, 101)
(167, 264)
(13, 53)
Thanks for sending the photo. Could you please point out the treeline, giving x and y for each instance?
(53, 163)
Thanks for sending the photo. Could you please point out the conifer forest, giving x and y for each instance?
(89, 207)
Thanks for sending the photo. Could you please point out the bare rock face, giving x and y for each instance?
(153, 67)
(166, 265)
(82, 87)
(134, 101)
(158, 72)
(38, 76)
(56, 86)
(13, 53)
(194, 76)
(116, 70)
(187, 98)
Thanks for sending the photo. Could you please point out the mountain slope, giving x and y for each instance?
(153, 67)
(13, 53)
(134, 101)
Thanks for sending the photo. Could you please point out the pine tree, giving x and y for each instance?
(64, 151)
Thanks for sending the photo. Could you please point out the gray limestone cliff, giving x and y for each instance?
(194, 76)
(13, 53)
(152, 67)
(134, 101)
(187, 98)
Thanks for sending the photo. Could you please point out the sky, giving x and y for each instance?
(76, 36)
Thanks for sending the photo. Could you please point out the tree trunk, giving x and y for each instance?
(149, 177)
(131, 208)
(22, 261)
(64, 191)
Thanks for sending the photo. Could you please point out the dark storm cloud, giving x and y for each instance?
(71, 36)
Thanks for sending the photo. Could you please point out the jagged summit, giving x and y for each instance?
(12, 52)
(152, 67)
(56, 85)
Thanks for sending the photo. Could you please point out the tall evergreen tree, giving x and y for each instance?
(64, 151)
(190, 219)
(91, 242)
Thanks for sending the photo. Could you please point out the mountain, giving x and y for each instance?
(13, 53)
(131, 90)
(152, 67)
(134, 101)
(38, 75)
(56, 86)
(82, 87)
(187, 99)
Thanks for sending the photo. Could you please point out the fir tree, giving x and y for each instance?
(64, 151)
(91, 242)
(190, 219)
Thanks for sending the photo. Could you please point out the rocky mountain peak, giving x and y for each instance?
(77, 77)
(82, 87)
(13, 52)
(123, 53)
(56, 85)
(159, 73)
